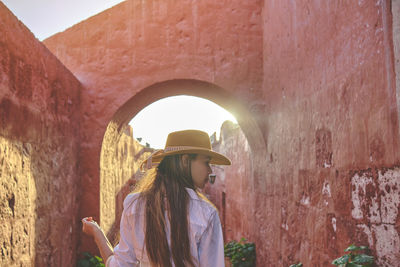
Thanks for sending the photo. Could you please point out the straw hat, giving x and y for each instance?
(187, 142)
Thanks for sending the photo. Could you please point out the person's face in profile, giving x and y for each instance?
(200, 168)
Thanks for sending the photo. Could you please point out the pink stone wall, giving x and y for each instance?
(395, 8)
(332, 131)
(120, 170)
(39, 146)
(233, 187)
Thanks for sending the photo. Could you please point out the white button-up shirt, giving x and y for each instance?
(205, 234)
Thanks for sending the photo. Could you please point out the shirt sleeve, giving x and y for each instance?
(211, 248)
(124, 253)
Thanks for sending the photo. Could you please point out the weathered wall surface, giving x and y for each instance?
(317, 77)
(395, 7)
(332, 132)
(233, 187)
(39, 185)
(119, 166)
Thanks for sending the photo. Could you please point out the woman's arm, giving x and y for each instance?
(91, 228)
(123, 255)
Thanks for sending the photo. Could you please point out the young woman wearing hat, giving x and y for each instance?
(167, 221)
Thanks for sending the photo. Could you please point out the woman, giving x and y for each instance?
(168, 222)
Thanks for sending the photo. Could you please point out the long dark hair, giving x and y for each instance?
(164, 193)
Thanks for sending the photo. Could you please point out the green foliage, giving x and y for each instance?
(297, 265)
(354, 259)
(90, 261)
(241, 254)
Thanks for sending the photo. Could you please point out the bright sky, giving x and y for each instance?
(47, 17)
(176, 113)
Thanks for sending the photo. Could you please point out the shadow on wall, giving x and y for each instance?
(55, 205)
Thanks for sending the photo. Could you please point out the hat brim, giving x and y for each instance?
(216, 158)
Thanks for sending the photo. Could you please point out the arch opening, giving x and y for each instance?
(113, 188)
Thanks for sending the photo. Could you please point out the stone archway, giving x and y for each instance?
(110, 189)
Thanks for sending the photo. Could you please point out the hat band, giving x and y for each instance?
(178, 148)
(149, 164)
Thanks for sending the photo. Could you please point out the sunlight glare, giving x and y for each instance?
(170, 114)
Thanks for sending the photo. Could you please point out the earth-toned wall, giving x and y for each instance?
(39, 147)
(332, 132)
(232, 192)
(317, 81)
(119, 164)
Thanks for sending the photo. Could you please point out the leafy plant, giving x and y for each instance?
(354, 259)
(241, 254)
(297, 265)
(90, 261)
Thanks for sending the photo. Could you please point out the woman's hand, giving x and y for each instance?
(89, 226)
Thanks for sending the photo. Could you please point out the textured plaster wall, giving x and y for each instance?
(376, 200)
(330, 112)
(395, 8)
(233, 187)
(17, 211)
(39, 145)
(119, 163)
